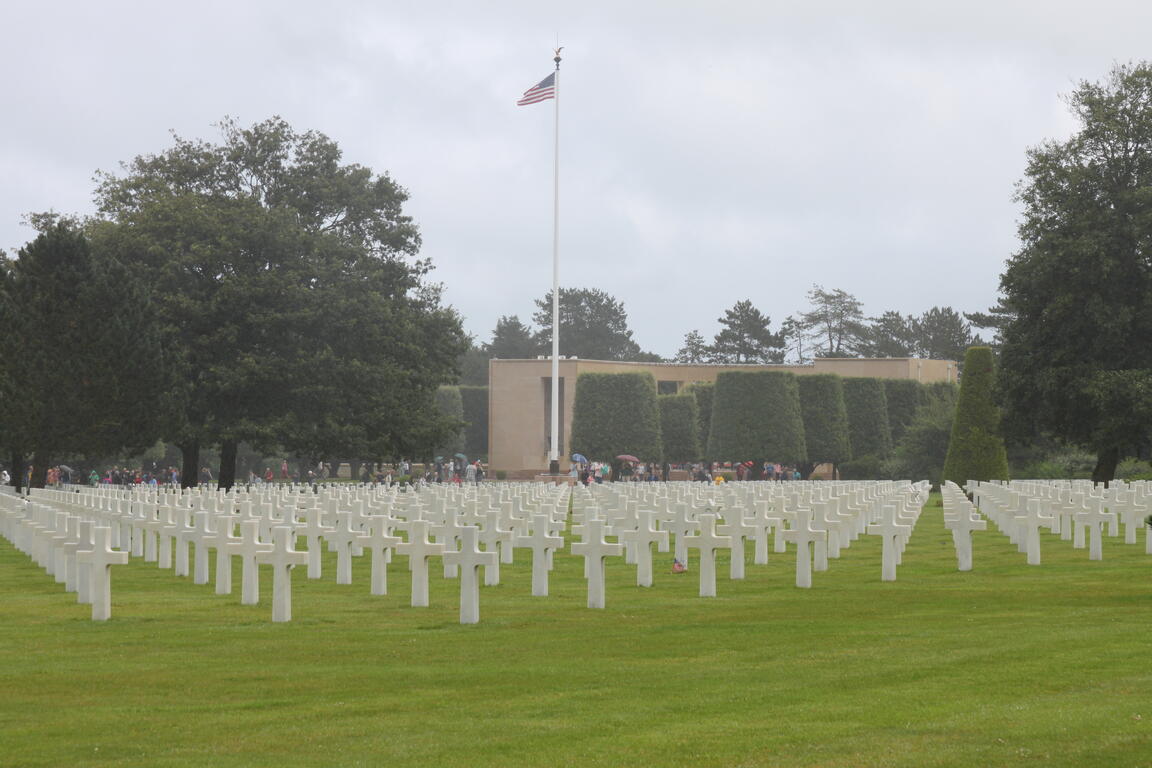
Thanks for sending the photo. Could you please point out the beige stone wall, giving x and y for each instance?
(517, 417)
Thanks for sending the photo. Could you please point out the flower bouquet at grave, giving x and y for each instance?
(678, 567)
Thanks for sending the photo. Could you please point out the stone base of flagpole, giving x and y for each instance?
(554, 467)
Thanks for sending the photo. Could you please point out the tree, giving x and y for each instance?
(614, 414)
(1077, 296)
(678, 417)
(756, 415)
(975, 448)
(834, 324)
(694, 349)
(473, 364)
(795, 339)
(746, 338)
(869, 435)
(63, 301)
(889, 335)
(593, 326)
(825, 420)
(290, 293)
(512, 340)
(923, 448)
(942, 333)
(703, 391)
(902, 397)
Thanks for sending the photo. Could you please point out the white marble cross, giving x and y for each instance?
(99, 561)
(380, 541)
(469, 558)
(313, 529)
(738, 530)
(248, 547)
(962, 525)
(541, 542)
(418, 549)
(802, 535)
(641, 540)
(708, 541)
(594, 549)
(282, 557)
(342, 540)
(890, 531)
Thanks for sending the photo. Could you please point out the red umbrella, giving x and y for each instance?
(628, 457)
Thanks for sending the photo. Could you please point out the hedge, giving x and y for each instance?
(475, 403)
(825, 418)
(868, 432)
(679, 417)
(756, 415)
(903, 396)
(975, 448)
(703, 391)
(616, 413)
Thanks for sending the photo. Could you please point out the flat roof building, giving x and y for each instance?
(520, 396)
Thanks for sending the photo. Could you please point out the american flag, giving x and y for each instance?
(542, 91)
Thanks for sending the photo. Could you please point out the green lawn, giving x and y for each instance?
(1006, 665)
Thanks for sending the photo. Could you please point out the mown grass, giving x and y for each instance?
(1006, 665)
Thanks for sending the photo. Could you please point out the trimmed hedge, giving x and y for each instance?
(475, 404)
(903, 396)
(975, 448)
(703, 391)
(825, 418)
(679, 417)
(756, 415)
(868, 432)
(449, 403)
(615, 413)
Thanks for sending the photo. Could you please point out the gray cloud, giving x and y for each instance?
(710, 151)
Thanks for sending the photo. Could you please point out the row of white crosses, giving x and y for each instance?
(471, 528)
(76, 552)
(819, 518)
(1078, 511)
(961, 518)
(136, 520)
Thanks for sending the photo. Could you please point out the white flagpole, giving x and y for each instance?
(554, 451)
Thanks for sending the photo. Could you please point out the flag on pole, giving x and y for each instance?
(542, 91)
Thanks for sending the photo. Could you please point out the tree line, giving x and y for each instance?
(256, 290)
(594, 325)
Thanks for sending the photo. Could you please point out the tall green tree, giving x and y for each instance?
(869, 433)
(745, 337)
(614, 414)
(1077, 296)
(975, 448)
(825, 420)
(678, 427)
(291, 294)
(82, 366)
(942, 333)
(889, 335)
(512, 339)
(756, 416)
(694, 349)
(835, 323)
(593, 326)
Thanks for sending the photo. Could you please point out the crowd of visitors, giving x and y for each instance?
(712, 472)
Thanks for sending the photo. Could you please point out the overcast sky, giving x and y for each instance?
(710, 151)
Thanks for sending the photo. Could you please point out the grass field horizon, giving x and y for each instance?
(1006, 665)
